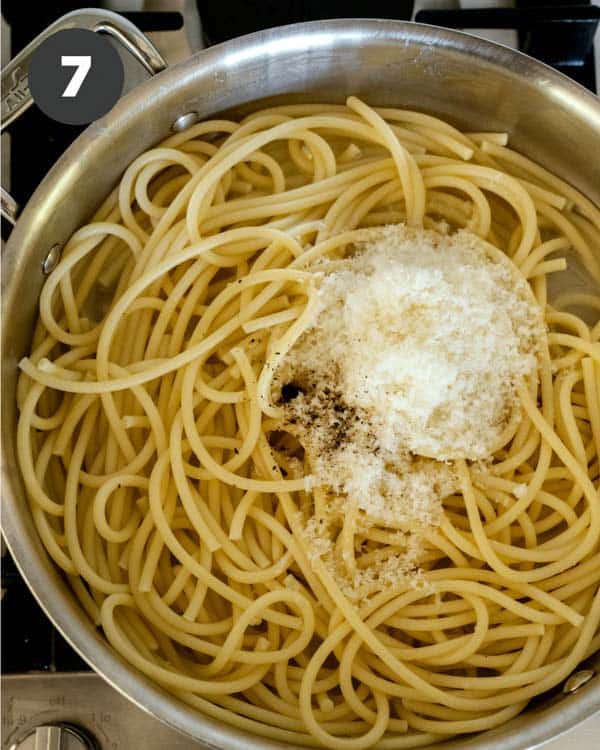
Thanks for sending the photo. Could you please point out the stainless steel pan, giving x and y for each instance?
(471, 82)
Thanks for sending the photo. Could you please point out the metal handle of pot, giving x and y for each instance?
(16, 96)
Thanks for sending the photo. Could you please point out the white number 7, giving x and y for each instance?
(83, 63)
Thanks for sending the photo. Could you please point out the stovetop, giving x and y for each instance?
(44, 676)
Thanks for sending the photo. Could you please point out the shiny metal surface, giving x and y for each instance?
(578, 680)
(106, 719)
(10, 207)
(51, 260)
(113, 723)
(135, 43)
(473, 83)
(59, 736)
(185, 121)
(16, 96)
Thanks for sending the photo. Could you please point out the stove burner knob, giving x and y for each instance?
(60, 736)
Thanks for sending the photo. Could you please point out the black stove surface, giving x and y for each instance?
(28, 639)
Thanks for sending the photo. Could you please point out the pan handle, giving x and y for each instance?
(16, 96)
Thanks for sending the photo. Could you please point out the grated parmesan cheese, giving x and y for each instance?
(412, 360)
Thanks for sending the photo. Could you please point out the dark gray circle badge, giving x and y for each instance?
(75, 76)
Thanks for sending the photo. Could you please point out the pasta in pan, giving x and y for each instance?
(147, 423)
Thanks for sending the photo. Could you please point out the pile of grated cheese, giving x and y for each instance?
(412, 360)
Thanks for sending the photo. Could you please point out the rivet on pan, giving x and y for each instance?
(577, 680)
(51, 260)
(185, 121)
